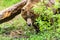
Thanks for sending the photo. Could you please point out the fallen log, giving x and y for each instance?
(11, 10)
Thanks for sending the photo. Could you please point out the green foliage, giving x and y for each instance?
(46, 15)
(6, 3)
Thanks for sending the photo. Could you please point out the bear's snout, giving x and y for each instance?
(29, 21)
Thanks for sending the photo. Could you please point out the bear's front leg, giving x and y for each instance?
(36, 28)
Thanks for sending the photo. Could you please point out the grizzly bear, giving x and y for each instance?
(29, 15)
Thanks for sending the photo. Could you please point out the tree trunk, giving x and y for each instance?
(12, 10)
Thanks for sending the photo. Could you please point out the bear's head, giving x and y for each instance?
(29, 17)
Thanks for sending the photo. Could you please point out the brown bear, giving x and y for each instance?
(29, 15)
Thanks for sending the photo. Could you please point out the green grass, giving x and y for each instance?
(6, 3)
(41, 36)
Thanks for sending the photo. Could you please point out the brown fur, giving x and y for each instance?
(30, 19)
(28, 15)
(30, 4)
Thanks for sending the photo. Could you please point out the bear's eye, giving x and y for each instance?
(32, 16)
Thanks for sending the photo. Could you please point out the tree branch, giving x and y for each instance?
(12, 10)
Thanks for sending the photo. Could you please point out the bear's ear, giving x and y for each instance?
(24, 15)
(35, 15)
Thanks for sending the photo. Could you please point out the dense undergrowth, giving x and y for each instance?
(49, 31)
(47, 20)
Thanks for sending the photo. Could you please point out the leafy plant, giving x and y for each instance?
(47, 20)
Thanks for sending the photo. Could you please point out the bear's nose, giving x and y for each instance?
(29, 21)
(29, 24)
